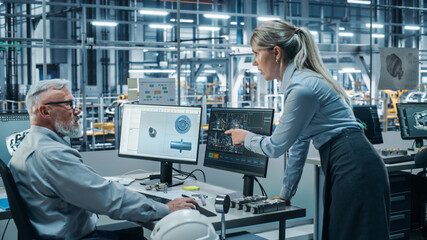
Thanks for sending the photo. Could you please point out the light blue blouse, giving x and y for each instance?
(312, 111)
(63, 194)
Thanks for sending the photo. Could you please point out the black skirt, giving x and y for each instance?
(357, 190)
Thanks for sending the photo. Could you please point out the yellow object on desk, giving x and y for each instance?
(191, 188)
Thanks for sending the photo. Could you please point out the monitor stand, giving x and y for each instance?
(248, 185)
(165, 176)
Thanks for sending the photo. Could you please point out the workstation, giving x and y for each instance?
(159, 87)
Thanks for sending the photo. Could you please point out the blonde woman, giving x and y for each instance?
(316, 108)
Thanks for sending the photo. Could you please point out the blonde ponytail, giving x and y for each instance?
(299, 46)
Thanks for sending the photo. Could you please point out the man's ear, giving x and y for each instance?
(44, 111)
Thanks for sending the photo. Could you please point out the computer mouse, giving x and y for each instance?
(421, 158)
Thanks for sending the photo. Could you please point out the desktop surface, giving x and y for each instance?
(234, 218)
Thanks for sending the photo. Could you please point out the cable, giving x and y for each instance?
(263, 192)
(203, 173)
(190, 174)
(137, 171)
(4, 231)
(184, 173)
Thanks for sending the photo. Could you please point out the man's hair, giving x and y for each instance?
(38, 89)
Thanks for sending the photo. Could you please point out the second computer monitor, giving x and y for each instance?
(368, 116)
(413, 121)
(220, 151)
(14, 127)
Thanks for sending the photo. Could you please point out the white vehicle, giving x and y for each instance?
(414, 97)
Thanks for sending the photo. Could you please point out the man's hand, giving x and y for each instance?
(181, 203)
(237, 135)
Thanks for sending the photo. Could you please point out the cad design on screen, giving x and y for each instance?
(169, 133)
(220, 151)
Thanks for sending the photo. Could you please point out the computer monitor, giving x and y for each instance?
(168, 134)
(413, 121)
(367, 115)
(14, 127)
(222, 154)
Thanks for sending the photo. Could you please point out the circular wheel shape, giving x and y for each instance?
(182, 124)
(222, 203)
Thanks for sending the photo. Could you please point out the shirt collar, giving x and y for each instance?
(289, 72)
(48, 132)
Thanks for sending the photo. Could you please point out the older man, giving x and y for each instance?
(62, 194)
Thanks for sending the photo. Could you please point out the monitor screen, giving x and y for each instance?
(168, 134)
(220, 151)
(412, 120)
(14, 127)
(161, 133)
(368, 117)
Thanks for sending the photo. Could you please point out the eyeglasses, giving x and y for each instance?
(69, 104)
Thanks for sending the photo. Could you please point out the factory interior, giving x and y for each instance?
(196, 55)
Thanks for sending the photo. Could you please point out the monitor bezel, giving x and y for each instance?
(235, 170)
(161, 159)
(376, 109)
(11, 113)
(400, 117)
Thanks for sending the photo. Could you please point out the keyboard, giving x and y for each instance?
(201, 210)
(205, 212)
(156, 198)
(398, 159)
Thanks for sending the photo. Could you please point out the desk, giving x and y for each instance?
(319, 179)
(234, 218)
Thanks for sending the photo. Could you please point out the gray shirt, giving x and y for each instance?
(312, 111)
(63, 194)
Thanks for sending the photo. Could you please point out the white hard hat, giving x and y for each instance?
(184, 224)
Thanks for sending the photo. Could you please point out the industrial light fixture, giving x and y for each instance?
(202, 79)
(374, 25)
(346, 34)
(267, 18)
(314, 32)
(349, 70)
(423, 71)
(216, 16)
(209, 28)
(210, 71)
(183, 20)
(152, 71)
(235, 23)
(412, 27)
(341, 28)
(377, 35)
(153, 12)
(162, 26)
(359, 2)
(104, 23)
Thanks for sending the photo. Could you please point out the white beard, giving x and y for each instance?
(72, 130)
